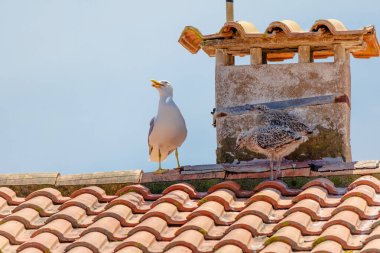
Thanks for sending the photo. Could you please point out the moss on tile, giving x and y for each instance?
(328, 143)
(200, 185)
(226, 153)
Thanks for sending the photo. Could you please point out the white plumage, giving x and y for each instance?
(168, 129)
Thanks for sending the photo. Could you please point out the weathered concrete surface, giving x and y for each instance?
(253, 84)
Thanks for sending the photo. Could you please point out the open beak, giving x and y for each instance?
(156, 84)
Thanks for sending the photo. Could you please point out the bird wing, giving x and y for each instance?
(150, 131)
(273, 137)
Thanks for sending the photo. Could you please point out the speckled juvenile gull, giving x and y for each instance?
(168, 129)
(275, 142)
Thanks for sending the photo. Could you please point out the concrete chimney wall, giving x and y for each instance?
(264, 83)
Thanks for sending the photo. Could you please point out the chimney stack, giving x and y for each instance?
(317, 93)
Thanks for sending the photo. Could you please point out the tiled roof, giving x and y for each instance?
(281, 39)
(270, 217)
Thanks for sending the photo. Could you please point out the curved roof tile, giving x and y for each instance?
(333, 25)
(286, 26)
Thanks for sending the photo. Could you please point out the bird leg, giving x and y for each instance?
(159, 159)
(278, 169)
(271, 168)
(176, 156)
(160, 170)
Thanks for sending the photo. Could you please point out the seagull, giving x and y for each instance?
(275, 142)
(282, 118)
(168, 129)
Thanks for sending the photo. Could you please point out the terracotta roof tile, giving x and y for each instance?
(86, 201)
(253, 224)
(35, 250)
(372, 247)
(108, 226)
(277, 247)
(61, 228)
(46, 242)
(189, 189)
(140, 189)
(326, 184)
(77, 216)
(156, 226)
(227, 198)
(366, 180)
(278, 185)
(273, 197)
(320, 195)
(98, 192)
(328, 246)
(268, 218)
(312, 208)
(229, 249)
(14, 231)
(95, 241)
(178, 198)
(51, 193)
(10, 196)
(27, 216)
(264, 210)
(168, 212)
(214, 210)
(80, 249)
(130, 249)
(122, 213)
(133, 200)
(43, 205)
(142, 240)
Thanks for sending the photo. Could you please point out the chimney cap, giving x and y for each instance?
(281, 39)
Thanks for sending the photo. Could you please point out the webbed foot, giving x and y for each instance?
(161, 171)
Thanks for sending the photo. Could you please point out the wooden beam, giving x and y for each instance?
(304, 54)
(220, 57)
(340, 53)
(230, 60)
(256, 56)
(354, 42)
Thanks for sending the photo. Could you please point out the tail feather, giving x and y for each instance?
(153, 156)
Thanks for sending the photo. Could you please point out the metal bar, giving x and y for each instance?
(285, 104)
(229, 10)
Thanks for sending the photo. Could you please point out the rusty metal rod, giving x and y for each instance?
(292, 103)
(229, 10)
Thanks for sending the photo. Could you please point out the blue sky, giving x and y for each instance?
(74, 78)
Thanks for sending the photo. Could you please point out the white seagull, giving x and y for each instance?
(168, 129)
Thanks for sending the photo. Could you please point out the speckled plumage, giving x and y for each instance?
(281, 118)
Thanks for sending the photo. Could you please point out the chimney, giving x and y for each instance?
(319, 93)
